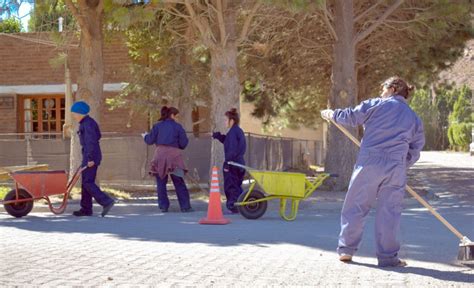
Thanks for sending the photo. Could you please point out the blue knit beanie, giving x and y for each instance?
(80, 107)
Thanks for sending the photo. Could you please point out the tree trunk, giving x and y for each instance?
(341, 153)
(185, 102)
(225, 92)
(91, 76)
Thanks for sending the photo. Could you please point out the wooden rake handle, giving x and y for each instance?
(408, 188)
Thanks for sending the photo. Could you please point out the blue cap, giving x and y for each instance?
(80, 107)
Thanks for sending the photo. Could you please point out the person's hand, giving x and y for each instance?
(226, 167)
(90, 164)
(327, 114)
(144, 134)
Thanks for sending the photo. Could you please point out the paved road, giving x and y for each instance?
(138, 246)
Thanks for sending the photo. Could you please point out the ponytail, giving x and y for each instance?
(232, 114)
(400, 86)
(166, 112)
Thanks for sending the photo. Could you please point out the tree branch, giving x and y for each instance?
(363, 34)
(326, 17)
(220, 20)
(367, 11)
(197, 22)
(75, 12)
(245, 29)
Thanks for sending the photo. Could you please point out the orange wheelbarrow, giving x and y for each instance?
(35, 185)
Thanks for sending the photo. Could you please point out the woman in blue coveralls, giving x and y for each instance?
(89, 137)
(393, 139)
(170, 139)
(234, 150)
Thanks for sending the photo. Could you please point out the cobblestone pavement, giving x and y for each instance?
(139, 247)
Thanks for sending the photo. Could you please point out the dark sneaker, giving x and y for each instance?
(81, 213)
(190, 209)
(164, 210)
(107, 208)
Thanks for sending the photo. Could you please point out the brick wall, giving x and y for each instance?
(8, 119)
(28, 63)
(116, 120)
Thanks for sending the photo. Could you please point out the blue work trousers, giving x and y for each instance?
(233, 179)
(181, 191)
(91, 190)
(377, 179)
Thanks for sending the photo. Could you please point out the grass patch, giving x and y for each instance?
(115, 193)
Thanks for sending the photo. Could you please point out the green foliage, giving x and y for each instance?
(460, 136)
(430, 41)
(46, 13)
(423, 104)
(290, 108)
(461, 120)
(164, 70)
(462, 106)
(10, 25)
(294, 49)
(447, 117)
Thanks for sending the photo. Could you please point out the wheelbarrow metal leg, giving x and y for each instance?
(294, 209)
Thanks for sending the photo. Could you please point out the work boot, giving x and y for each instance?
(107, 208)
(185, 210)
(164, 210)
(80, 213)
(345, 258)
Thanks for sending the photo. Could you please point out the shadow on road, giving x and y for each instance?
(422, 237)
(454, 276)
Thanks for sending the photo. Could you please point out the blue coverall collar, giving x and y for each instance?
(83, 119)
(400, 98)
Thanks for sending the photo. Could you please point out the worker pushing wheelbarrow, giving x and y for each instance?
(35, 185)
(286, 186)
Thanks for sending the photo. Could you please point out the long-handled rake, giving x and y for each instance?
(466, 246)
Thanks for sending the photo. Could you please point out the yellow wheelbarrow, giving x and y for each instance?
(286, 186)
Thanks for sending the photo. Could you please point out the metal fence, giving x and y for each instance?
(126, 158)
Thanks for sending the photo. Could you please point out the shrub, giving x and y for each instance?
(460, 136)
(10, 25)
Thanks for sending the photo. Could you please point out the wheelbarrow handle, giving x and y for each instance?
(75, 177)
(240, 165)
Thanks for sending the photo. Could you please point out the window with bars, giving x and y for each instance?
(41, 113)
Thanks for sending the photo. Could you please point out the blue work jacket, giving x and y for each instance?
(234, 144)
(390, 126)
(89, 136)
(169, 133)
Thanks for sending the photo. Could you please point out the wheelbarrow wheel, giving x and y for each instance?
(254, 210)
(20, 209)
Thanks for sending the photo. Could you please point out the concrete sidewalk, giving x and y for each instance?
(137, 246)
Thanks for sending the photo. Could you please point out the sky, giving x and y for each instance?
(23, 13)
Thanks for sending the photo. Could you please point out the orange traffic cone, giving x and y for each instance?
(214, 210)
